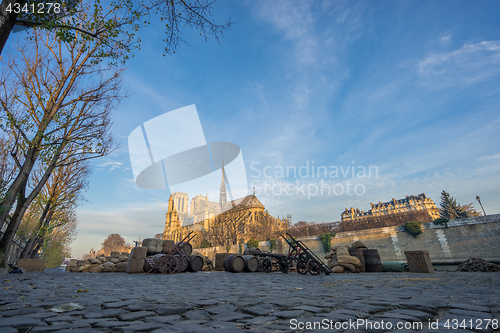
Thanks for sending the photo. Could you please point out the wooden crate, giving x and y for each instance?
(419, 262)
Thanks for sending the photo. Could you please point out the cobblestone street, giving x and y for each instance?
(251, 302)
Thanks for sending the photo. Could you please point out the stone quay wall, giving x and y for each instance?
(463, 238)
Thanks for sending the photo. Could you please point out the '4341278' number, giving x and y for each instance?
(39, 8)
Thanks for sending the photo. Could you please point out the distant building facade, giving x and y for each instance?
(410, 204)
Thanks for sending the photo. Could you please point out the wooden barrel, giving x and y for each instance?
(185, 247)
(358, 253)
(251, 263)
(195, 263)
(372, 260)
(234, 263)
(155, 258)
(183, 261)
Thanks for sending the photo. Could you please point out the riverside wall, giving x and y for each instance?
(463, 238)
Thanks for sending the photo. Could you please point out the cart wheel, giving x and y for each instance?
(302, 266)
(267, 265)
(285, 267)
(314, 267)
(169, 265)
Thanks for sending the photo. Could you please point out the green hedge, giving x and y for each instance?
(414, 228)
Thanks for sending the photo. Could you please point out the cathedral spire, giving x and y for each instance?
(223, 194)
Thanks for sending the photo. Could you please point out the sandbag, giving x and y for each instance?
(97, 269)
(358, 245)
(114, 260)
(332, 263)
(115, 254)
(342, 251)
(108, 269)
(122, 258)
(330, 255)
(334, 248)
(121, 264)
(348, 259)
(95, 261)
(338, 269)
(350, 268)
(85, 268)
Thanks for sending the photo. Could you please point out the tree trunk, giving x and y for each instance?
(28, 248)
(7, 20)
(34, 252)
(17, 186)
(8, 237)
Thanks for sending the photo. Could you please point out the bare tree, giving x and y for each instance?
(54, 112)
(61, 194)
(120, 20)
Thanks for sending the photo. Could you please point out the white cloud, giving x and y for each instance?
(471, 64)
(490, 157)
(445, 39)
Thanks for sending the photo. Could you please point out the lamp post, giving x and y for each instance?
(479, 200)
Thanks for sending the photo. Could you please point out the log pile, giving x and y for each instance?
(478, 265)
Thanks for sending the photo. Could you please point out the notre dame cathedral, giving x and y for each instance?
(221, 223)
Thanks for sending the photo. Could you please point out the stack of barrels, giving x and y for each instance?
(236, 263)
(158, 248)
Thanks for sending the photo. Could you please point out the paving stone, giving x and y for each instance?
(353, 313)
(77, 330)
(231, 316)
(221, 308)
(169, 311)
(420, 306)
(196, 315)
(260, 310)
(61, 317)
(8, 329)
(115, 305)
(260, 320)
(423, 316)
(471, 307)
(108, 313)
(309, 308)
(165, 319)
(19, 312)
(395, 315)
(364, 307)
(468, 313)
(110, 323)
(137, 326)
(186, 328)
(288, 314)
(206, 302)
(129, 316)
(141, 306)
(63, 326)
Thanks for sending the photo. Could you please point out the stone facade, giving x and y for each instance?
(209, 217)
(410, 204)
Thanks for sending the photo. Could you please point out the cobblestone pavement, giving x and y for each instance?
(249, 302)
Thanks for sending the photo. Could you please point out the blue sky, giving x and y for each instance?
(409, 87)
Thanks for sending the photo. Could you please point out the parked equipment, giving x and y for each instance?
(175, 261)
